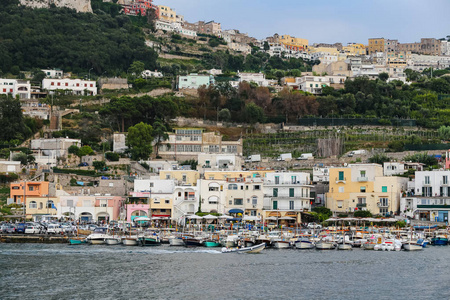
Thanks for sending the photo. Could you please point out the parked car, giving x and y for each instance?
(33, 229)
(54, 229)
(20, 228)
(83, 164)
(314, 226)
(11, 228)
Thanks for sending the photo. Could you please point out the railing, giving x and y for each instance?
(363, 179)
(426, 183)
(444, 183)
(360, 205)
(269, 182)
(341, 180)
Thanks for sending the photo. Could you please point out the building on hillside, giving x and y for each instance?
(39, 208)
(185, 202)
(21, 191)
(33, 108)
(70, 86)
(181, 177)
(188, 143)
(175, 27)
(53, 73)
(202, 27)
(427, 46)
(58, 146)
(321, 174)
(7, 167)
(138, 7)
(354, 49)
(340, 68)
(167, 14)
(287, 194)
(159, 194)
(445, 48)
(194, 81)
(119, 142)
(315, 84)
(13, 87)
(420, 62)
(376, 45)
(428, 197)
(363, 187)
(293, 43)
(113, 84)
(218, 162)
(239, 47)
(148, 73)
(398, 168)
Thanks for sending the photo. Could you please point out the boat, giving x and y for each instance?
(176, 241)
(130, 241)
(98, 236)
(77, 241)
(212, 243)
(253, 249)
(304, 244)
(386, 245)
(280, 244)
(263, 239)
(412, 246)
(345, 247)
(193, 242)
(149, 240)
(113, 240)
(321, 245)
(439, 240)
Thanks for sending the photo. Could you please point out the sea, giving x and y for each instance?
(42, 271)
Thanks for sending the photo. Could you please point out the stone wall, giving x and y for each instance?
(78, 5)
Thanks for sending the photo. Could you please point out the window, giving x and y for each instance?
(275, 205)
(213, 189)
(291, 192)
(33, 204)
(256, 187)
(384, 202)
(341, 175)
(341, 189)
(291, 204)
(362, 173)
(184, 177)
(70, 203)
(427, 191)
(361, 200)
(31, 188)
(238, 201)
(167, 201)
(254, 200)
(232, 186)
(384, 189)
(427, 179)
(340, 203)
(277, 179)
(362, 189)
(275, 192)
(444, 180)
(293, 179)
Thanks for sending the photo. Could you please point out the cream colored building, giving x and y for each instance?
(354, 49)
(167, 14)
(340, 68)
(293, 43)
(376, 45)
(363, 187)
(181, 177)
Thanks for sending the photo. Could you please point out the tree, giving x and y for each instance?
(22, 157)
(160, 134)
(139, 140)
(266, 46)
(99, 164)
(85, 150)
(73, 149)
(136, 68)
(112, 156)
(379, 159)
(383, 76)
(423, 158)
(12, 121)
(254, 113)
(224, 114)
(362, 214)
(444, 132)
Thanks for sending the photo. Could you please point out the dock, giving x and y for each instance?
(35, 238)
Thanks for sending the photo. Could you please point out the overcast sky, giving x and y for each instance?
(326, 21)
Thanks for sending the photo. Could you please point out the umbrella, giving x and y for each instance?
(225, 217)
(332, 220)
(156, 218)
(142, 219)
(286, 218)
(209, 217)
(195, 217)
(271, 218)
(236, 211)
(250, 218)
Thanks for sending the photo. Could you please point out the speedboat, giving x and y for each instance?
(304, 244)
(412, 246)
(386, 245)
(130, 241)
(176, 241)
(98, 236)
(440, 240)
(253, 249)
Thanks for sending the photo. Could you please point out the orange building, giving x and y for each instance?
(32, 189)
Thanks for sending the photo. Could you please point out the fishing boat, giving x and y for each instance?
(280, 244)
(440, 240)
(176, 241)
(412, 246)
(322, 245)
(253, 249)
(212, 243)
(77, 241)
(113, 240)
(193, 242)
(263, 239)
(97, 237)
(345, 247)
(130, 241)
(149, 240)
(304, 244)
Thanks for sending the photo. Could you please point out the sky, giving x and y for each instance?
(324, 21)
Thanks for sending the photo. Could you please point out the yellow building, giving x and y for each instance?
(328, 50)
(40, 207)
(293, 43)
(376, 45)
(167, 14)
(354, 49)
(184, 177)
(363, 187)
(224, 175)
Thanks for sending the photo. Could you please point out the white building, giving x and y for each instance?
(429, 198)
(174, 27)
(315, 84)
(238, 47)
(321, 174)
(71, 86)
(15, 88)
(185, 201)
(55, 73)
(419, 62)
(258, 78)
(218, 162)
(287, 192)
(212, 195)
(445, 48)
(148, 73)
(194, 81)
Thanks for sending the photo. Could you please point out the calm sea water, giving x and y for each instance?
(38, 271)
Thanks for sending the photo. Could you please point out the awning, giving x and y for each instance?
(236, 211)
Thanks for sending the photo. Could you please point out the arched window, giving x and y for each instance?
(49, 203)
(33, 204)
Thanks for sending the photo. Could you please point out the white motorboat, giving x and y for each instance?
(113, 240)
(230, 241)
(97, 237)
(253, 249)
(176, 241)
(304, 244)
(345, 247)
(130, 241)
(321, 245)
(411, 246)
(280, 244)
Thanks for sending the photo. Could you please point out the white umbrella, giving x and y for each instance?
(250, 218)
(209, 217)
(142, 219)
(271, 218)
(156, 218)
(332, 220)
(225, 217)
(195, 217)
(286, 218)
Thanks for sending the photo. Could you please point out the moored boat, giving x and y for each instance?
(97, 237)
(130, 241)
(345, 247)
(304, 244)
(149, 240)
(411, 246)
(321, 245)
(280, 244)
(176, 241)
(113, 240)
(211, 243)
(77, 241)
(253, 249)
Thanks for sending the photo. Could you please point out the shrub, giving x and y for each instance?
(112, 156)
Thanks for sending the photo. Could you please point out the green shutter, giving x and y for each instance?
(275, 204)
(275, 192)
(291, 192)
(341, 175)
(384, 189)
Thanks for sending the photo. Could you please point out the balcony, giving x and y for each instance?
(343, 180)
(269, 182)
(362, 179)
(425, 183)
(445, 183)
(379, 204)
(361, 205)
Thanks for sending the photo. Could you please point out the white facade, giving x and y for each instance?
(194, 81)
(393, 168)
(71, 86)
(186, 201)
(445, 48)
(419, 62)
(148, 73)
(315, 84)
(212, 195)
(287, 191)
(55, 73)
(218, 162)
(258, 78)
(244, 48)
(15, 88)
(174, 27)
(321, 174)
